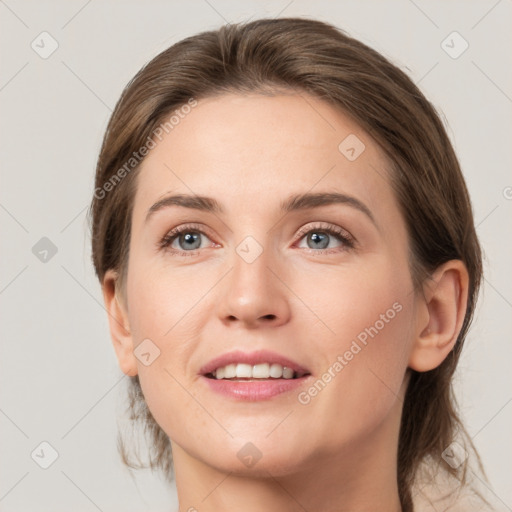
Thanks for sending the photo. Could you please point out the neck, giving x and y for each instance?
(359, 478)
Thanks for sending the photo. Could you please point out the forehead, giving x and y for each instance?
(237, 148)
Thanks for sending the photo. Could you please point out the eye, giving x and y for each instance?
(319, 237)
(187, 237)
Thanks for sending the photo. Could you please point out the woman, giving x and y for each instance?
(289, 261)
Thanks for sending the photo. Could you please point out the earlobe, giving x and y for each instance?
(440, 316)
(118, 324)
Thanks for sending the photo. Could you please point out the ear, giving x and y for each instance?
(118, 323)
(440, 316)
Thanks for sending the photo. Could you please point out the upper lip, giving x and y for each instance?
(260, 356)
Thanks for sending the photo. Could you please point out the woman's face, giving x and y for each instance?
(253, 276)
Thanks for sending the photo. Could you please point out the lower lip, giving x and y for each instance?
(254, 390)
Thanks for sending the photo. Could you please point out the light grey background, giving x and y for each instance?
(59, 378)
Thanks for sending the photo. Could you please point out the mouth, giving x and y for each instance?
(261, 364)
(255, 373)
(255, 376)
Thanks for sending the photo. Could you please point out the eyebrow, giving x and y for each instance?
(293, 203)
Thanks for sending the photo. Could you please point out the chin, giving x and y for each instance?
(263, 468)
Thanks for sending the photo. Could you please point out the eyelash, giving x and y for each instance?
(339, 233)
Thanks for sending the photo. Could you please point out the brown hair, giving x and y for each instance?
(304, 55)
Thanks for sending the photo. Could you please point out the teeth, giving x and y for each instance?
(287, 373)
(243, 370)
(230, 371)
(257, 371)
(276, 371)
(261, 371)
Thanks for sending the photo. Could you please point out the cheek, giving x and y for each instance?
(365, 350)
(161, 300)
(164, 307)
(363, 303)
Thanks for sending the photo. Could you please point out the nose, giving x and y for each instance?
(254, 294)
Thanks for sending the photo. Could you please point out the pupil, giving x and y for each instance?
(317, 236)
(190, 239)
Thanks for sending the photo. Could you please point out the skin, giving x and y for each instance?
(338, 451)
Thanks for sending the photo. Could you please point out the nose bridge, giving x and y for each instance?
(251, 262)
(253, 293)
